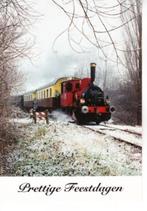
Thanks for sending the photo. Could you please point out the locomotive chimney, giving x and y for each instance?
(92, 69)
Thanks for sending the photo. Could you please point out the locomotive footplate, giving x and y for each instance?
(96, 116)
(92, 113)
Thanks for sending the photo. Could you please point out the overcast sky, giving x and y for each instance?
(48, 63)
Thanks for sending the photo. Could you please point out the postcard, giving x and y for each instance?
(71, 108)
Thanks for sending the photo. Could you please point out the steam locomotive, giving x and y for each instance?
(80, 97)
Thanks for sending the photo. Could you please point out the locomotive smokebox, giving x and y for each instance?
(92, 69)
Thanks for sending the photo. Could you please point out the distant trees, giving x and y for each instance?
(133, 50)
(97, 22)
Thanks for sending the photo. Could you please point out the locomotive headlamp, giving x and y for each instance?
(107, 99)
(84, 109)
(82, 101)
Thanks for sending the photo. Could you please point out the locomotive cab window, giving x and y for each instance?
(68, 87)
(77, 86)
(62, 88)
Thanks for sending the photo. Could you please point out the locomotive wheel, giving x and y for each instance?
(77, 117)
(97, 122)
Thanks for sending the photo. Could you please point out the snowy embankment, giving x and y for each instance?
(63, 148)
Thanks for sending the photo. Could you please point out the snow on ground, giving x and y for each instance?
(119, 134)
(21, 120)
(63, 148)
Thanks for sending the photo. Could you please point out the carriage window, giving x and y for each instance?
(50, 92)
(77, 86)
(68, 87)
(47, 92)
(44, 93)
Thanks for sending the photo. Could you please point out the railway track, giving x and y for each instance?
(124, 130)
(104, 130)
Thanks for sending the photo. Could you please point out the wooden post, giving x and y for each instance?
(34, 117)
(46, 116)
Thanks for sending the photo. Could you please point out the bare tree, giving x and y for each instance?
(133, 50)
(98, 22)
(13, 21)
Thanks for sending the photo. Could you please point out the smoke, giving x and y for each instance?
(61, 117)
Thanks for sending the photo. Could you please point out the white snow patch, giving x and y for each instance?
(21, 120)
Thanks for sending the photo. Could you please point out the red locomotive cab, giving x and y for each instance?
(68, 90)
(83, 84)
(72, 91)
